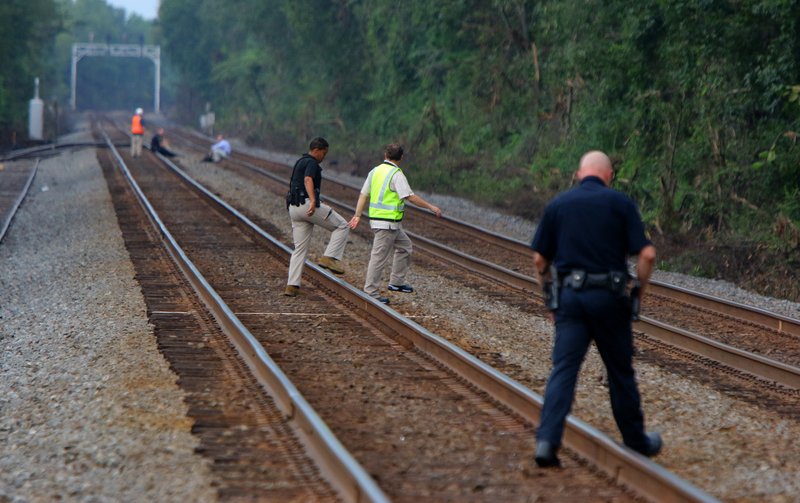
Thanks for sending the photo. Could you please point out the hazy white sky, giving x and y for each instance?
(148, 9)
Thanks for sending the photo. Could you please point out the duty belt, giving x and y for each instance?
(615, 281)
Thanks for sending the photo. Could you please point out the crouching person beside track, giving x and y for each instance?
(219, 150)
(387, 189)
(159, 144)
(306, 211)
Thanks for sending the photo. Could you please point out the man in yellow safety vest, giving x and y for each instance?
(387, 189)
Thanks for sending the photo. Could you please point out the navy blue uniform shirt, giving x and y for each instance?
(590, 227)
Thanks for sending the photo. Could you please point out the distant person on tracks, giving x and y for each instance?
(219, 150)
(306, 210)
(581, 247)
(387, 190)
(159, 144)
(137, 133)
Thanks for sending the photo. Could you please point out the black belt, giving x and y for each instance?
(616, 281)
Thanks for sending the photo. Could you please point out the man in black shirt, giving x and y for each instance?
(159, 144)
(306, 211)
(582, 245)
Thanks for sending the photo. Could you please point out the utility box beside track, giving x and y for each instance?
(36, 115)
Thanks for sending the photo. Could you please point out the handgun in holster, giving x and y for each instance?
(550, 290)
(294, 197)
(636, 289)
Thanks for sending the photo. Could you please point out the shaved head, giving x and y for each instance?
(596, 163)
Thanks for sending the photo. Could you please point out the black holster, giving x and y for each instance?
(551, 291)
(614, 281)
(294, 198)
(636, 289)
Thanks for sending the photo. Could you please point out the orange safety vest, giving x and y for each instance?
(136, 125)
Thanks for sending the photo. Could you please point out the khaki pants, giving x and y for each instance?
(218, 155)
(384, 242)
(303, 225)
(136, 145)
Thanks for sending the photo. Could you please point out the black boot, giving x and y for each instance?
(546, 454)
(654, 445)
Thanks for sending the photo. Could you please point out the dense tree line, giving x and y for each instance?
(27, 28)
(696, 100)
(36, 38)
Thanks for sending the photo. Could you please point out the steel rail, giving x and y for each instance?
(49, 148)
(459, 225)
(757, 365)
(336, 464)
(6, 223)
(752, 363)
(760, 317)
(621, 464)
(462, 226)
(468, 262)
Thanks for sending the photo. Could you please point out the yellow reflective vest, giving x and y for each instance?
(384, 203)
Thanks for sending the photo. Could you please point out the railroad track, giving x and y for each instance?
(17, 177)
(47, 150)
(255, 452)
(15, 181)
(417, 411)
(734, 335)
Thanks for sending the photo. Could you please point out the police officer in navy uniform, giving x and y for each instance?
(581, 249)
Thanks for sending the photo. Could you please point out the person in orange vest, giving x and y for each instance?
(137, 133)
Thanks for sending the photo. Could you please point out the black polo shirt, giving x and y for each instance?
(590, 227)
(307, 166)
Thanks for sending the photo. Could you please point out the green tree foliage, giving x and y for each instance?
(36, 38)
(696, 100)
(27, 28)
(695, 94)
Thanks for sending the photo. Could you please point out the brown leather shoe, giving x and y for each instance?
(331, 264)
(292, 291)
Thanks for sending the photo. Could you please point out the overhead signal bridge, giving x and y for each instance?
(82, 50)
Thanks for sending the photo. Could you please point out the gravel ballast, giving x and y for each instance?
(89, 409)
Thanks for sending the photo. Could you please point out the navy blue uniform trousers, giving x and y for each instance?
(600, 315)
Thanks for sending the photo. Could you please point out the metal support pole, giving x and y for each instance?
(74, 78)
(157, 61)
